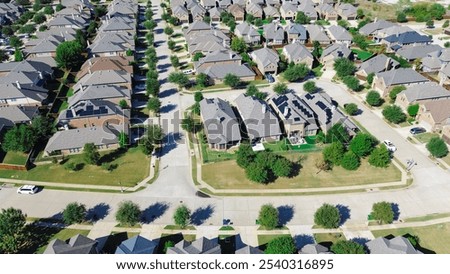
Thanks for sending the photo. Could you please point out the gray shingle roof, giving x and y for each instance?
(371, 28)
(314, 249)
(266, 56)
(297, 51)
(378, 64)
(13, 91)
(258, 117)
(317, 33)
(12, 115)
(397, 245)
(249, 250)
(401, 76)
(425, 91)
(136, 245)
(218, 56)
(219, 71)
(337, 50)
(339, 33)
(104, 77)
(78, 244)
(220, 122)
(99, 92)
(419, 51)
(95, 108)
(298, 29)
(199, 246)
(273, 31)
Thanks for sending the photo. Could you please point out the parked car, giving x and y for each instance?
(417, 130)
(269, 78)
(188, 71)
(389, 145)
(27, 189)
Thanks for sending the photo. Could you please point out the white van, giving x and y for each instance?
(27, 189)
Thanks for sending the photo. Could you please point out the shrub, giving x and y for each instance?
(437, 147)
(352, 83)
(310, 87)
(280, 88)
(347, 247)
(128, 213)
(380, 157)
(74, 213)
(373, 98)
(333, 153)
(268, 216)
(350, 161)
(382, 212)
(394, 114)
(351, 109)
(413, 110)
(327, 216)
(281, 245)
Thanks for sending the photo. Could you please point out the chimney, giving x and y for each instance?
(18, 85)
(285, 112)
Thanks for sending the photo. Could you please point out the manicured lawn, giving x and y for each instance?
(210, 155)
(284, 145)
(132, 167)
(318, 70)
(177, 227)
(15, 158)
(362, 55)
(434, 238)
(264, 239)
(231, 176)
(259, 82)
(328, 237)
(63, 235)
(425, 137)
(427, 217)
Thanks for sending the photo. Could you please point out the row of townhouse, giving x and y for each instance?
(96, 112)
(259, 121)
(138, 244)
(187, 11)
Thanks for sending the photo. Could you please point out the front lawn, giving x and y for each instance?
(132, 167)
(210, 155)
(362, 55)
(328, 238)
(231, 176)
(263, 240)
(425, 137)
(63, 235)
(15, 158)
(432, 238)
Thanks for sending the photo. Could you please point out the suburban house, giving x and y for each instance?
(326, 112)
(417, 52)
(69, 21)
(317, 33)
(220, 124)
(119, 63)
(394, 30)
(104, 77)
(255, 10)
(434, 115)
(112, 44)
(217, 57)
(127, 8)
(111, 93)
(273, 3)
(45, 47)
(296, 117)
(214, 14)
(327, 12)
(237, 11)
(13, 115)
(376, 64)
(199, 246)
(247, 32)
(297, 53)
(260, 122)
(197, 12)
(296, 32)
(17, 94)
(137, 245)
(333, 52)
(397, 245)
(421, 93)
(346, 11)
(446, 133)
(410, 38)
(9, 12)
(340, 35)
(314, 249)
(434, 61)
(72, 141)
(118, 24)
(224, 4)
(272, 12)
(181, 13)
(383, 82)
(208, 4)
(266, 59)
(372, 28)
(444, 75)
(96, 113)
(78, 244)
(196, 27)
(308, 8)
(273, 34)
(288, 11)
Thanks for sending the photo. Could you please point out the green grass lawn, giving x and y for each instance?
(264, 239)
(210, 155)
(328, 237)
(63, 235)
(434, 238)
(425, 137)
(284, 145)
(362, 55)
(318, 70)
(132, 167)
(231, 176)
(427, 217)
(15, 158)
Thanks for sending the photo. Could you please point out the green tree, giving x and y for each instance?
(99, 11)
(245, 155)
(168, 31)
(197, 56)
(7, 31)
(373, 98)
(282, 167)
(91, 154)
(68, 54)
(310, 87)
(430, 23)
(394, 114)
(154, 104)
(401, 17)
(351, 109)
(413, 110)
(171, 44)
(337, 133)
(42, 126)
(42, 28)
(146, 145)
(198, 96)
(395, 91)
(19, 138)
(202, 80)
(123, 104)
(258, 22)
(128, 213)
(37, 5)
(257, 173)
(189, 124)
(370, 78)
(360, 13)
(252, 90)
(59, 7)
(182, 216)
(15, 42)
(437, 147)
(446, 24)
(231, 80)
(268, 216)
(362, 144)
(347, 247)
(238, 44)
(296, 72)
(39, 18)
(281, 245)
(343, 23)
(301, 18)
(74, 213)
(437, 11)
(179, 78)
(18, 55)
(12, 230)
(350, 161)
(447, 44)
(333, 153)
(316, 49)
(352, 83)
(344, 67)
(382, 212)
(153, 86)
(327, 216)
(48, 10)
(175, 61)
(380, 157)
(280, 88)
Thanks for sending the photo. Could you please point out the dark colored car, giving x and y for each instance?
(417, 130)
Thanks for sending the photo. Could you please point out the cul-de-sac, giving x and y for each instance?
(224, 126)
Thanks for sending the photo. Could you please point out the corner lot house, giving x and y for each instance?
(220, 124)
(434, 115)
(384, 81)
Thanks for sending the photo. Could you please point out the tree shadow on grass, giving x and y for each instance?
(108, 158)
(201, 214)
(285, 214)
(37, 237)
(153, 212)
